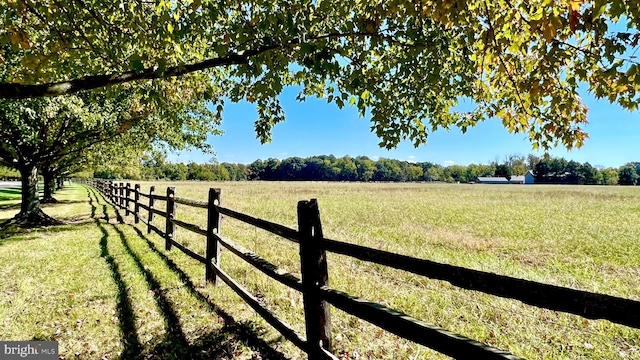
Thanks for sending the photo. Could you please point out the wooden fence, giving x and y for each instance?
(318, 295)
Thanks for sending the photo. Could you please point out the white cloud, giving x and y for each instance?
(448, 162)
(375, 158)
(284, 153)
(411, 157)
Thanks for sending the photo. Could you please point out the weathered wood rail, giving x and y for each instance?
(317, 293)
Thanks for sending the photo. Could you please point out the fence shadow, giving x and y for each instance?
(218, 344)
(124, 309)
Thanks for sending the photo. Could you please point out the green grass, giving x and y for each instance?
(104, 289)
(578, 236)
(9, 197)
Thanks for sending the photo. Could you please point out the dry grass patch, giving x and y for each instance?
(582, 237)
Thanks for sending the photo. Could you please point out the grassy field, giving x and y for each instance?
(95, 283)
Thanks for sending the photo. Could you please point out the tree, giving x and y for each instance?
(517, 164)
(457, 173)
(199, 172)
(627, 175)
(434, 173)
(532, 161)
(635, 165)
(271, 169)
(557, 169)
(236, 171)
(48, 133)
(314, 169)
(255, 170)
(220, 172)
(388, 170)
(414, 173)
(348, 171)
(53, 134)
(407, 64)
(366, 168)
(573, 173)
(609, 176)
(290, 168)
(589, 175)
(503, 170)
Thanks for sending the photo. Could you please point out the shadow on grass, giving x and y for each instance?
(177, 344)
(10, 206)
(220, 344)
(11, 233)
(126, 316)
(62, 202)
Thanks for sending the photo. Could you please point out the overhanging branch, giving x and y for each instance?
(20, 91)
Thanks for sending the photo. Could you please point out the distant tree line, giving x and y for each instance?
(361, 168)
(561, 171)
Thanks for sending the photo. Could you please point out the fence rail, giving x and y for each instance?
(316, 290)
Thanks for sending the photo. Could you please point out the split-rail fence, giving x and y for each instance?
(318, 295)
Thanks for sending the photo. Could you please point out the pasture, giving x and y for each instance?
(111, 280)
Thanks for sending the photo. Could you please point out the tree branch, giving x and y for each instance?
(20, 91)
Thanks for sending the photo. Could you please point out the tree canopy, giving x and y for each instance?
(53, 135)
(407, 65)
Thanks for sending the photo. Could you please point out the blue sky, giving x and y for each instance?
(314, 127)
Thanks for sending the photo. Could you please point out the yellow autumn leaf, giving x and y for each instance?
(549, 32)
(621, 88)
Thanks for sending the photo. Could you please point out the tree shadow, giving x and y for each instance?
(220, 344)
(62, 202)
(11, 232)
(9, 206)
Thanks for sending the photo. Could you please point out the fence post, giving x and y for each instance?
(136, 204)
(152, 191)
(126, 201)
(111, 192)
(170, 231)
(313, 265)
(121, 197)
(213, 227)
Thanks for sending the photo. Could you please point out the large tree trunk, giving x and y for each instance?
(49, 187)
(30, 214)
(30, 201)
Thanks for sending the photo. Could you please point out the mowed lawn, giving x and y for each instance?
(107, 289)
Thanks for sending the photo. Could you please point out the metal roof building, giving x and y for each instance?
(520, 179)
